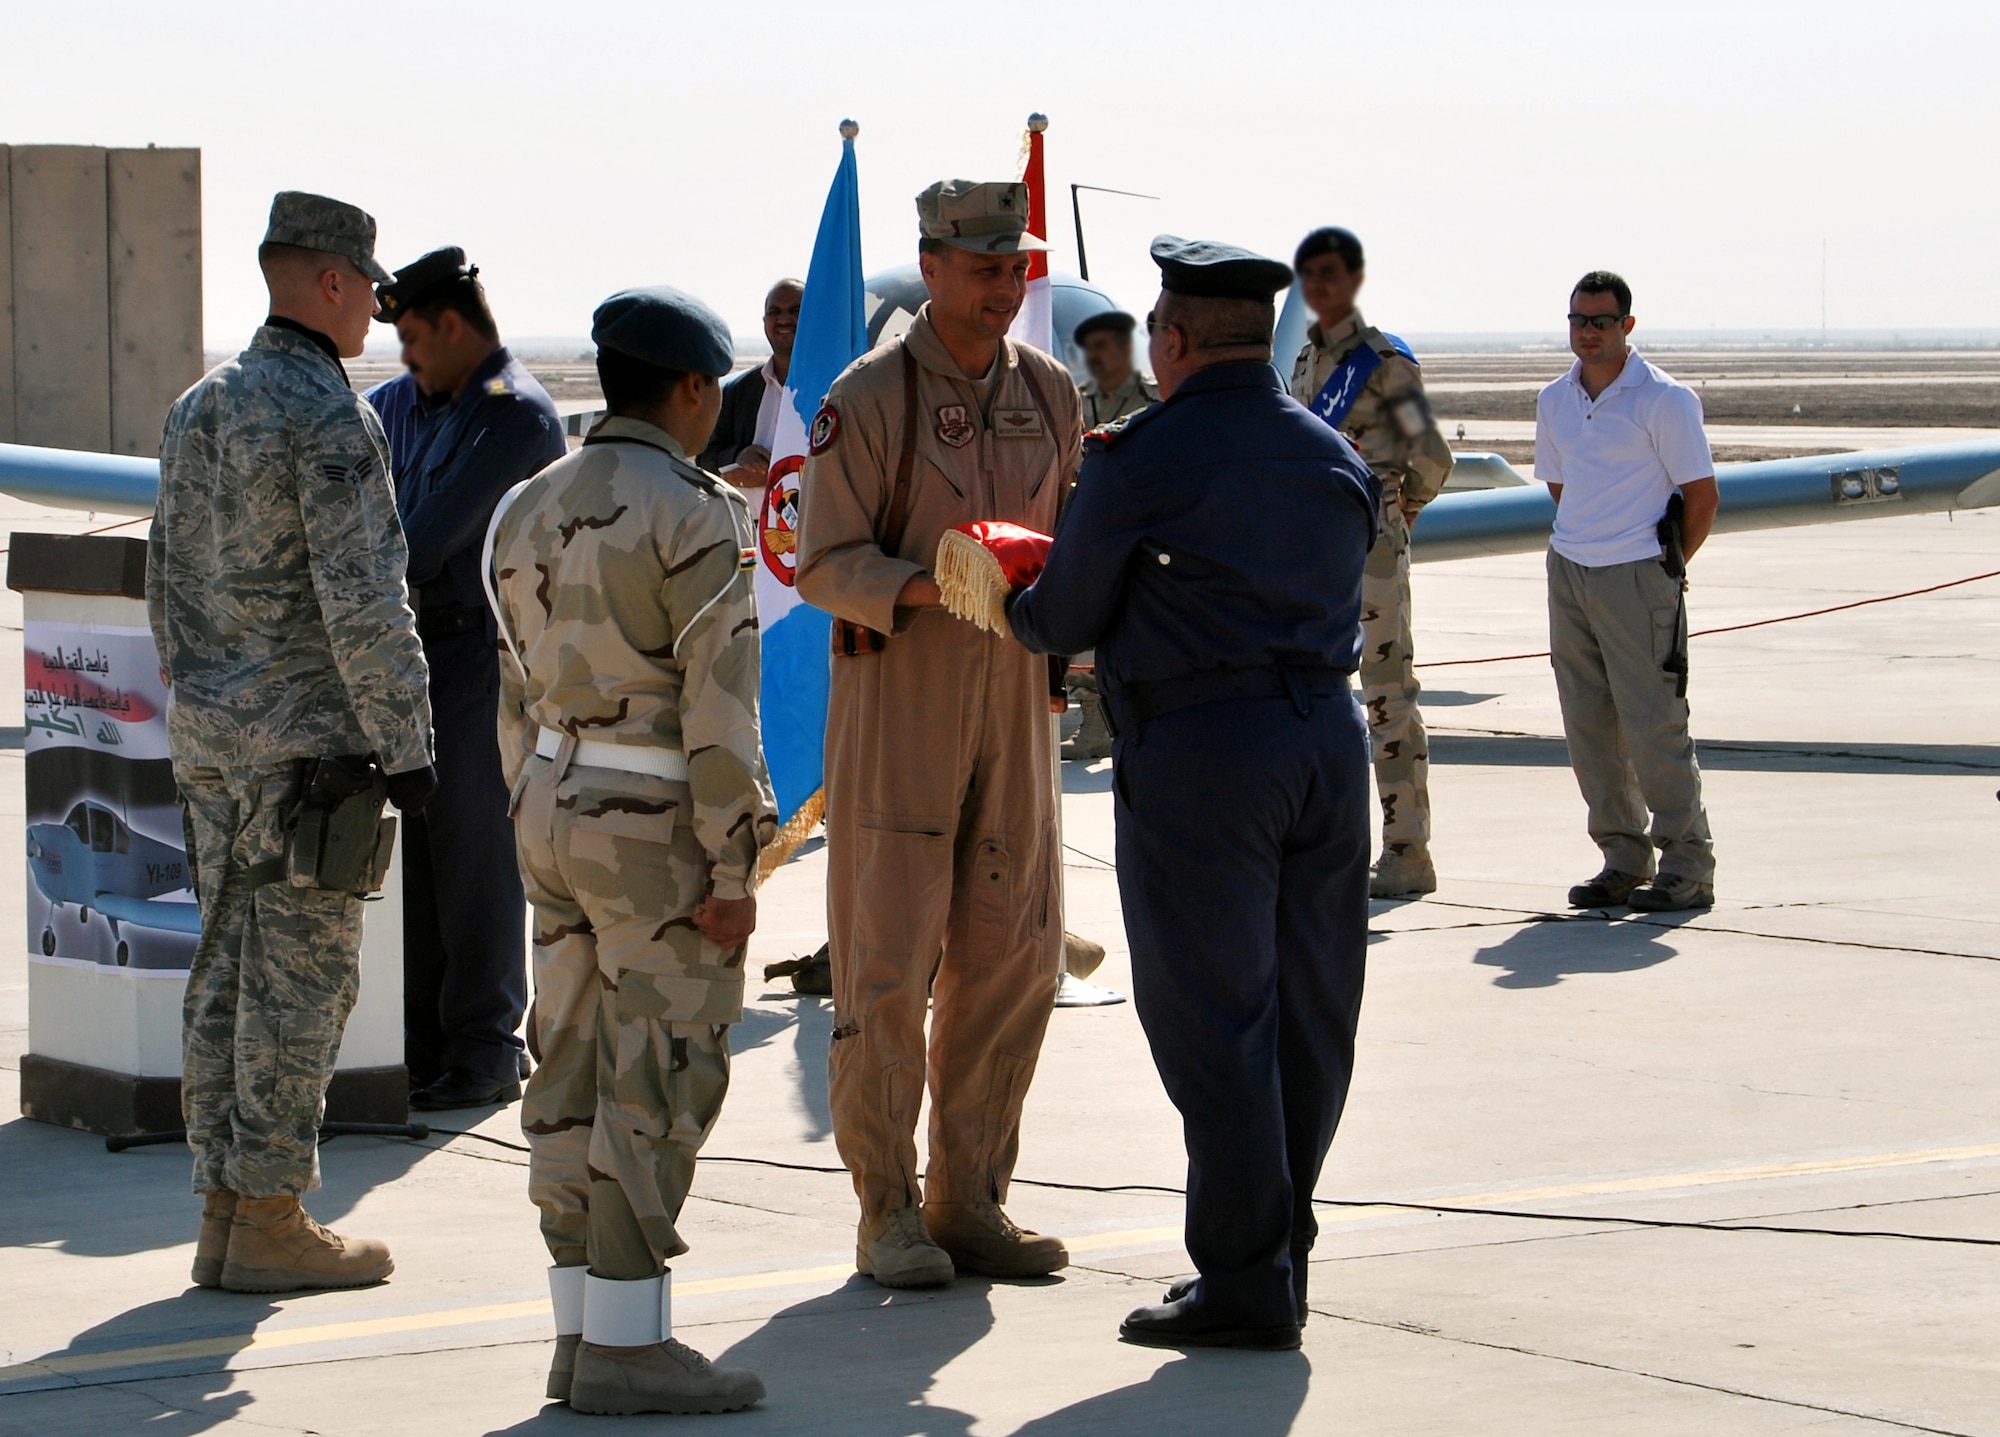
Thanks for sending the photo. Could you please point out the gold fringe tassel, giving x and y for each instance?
(971, 581)
(798, 828)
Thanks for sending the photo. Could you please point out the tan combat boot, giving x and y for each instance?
(567, 1289)
(667, 1376)
(1092, 740)
(1081, 956)
(1404, 871)
(217, 1208)
(895, 1250)
(275, 1246)
(562, 1371)
(981, 1238)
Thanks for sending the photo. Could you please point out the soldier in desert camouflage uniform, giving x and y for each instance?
(274, 583)
(628, 729)
(1379, 404)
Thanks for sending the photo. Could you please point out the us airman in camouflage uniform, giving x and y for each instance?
(1390, 422)
(274, 584)
(628, 730)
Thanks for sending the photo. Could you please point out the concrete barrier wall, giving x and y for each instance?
(6, 293)
(102, 283)
(153, 222)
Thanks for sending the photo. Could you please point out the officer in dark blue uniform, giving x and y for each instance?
(466, 423)
(1212, 554)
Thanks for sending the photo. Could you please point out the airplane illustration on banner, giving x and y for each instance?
(93, 859)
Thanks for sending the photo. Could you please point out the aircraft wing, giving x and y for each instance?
(74, 479)
(1767, 494)
(149, 913)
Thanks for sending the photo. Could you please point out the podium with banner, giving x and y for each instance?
(111, 915)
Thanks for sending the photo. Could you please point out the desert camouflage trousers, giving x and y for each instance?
(1389, 686)
(272, 981)
(631, 1013)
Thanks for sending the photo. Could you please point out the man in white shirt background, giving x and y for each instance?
(1616, 439)
(740, 448)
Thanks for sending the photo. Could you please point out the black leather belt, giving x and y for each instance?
(1133, 704)
(445, 621)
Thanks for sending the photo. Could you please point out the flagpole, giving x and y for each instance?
(1071, 991)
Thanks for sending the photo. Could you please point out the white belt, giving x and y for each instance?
(668, 763)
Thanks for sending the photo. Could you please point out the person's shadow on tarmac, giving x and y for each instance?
(864, 1359)
(217, 1323)
(1541, 955)
(1246, 1394)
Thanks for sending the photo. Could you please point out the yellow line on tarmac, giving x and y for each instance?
(271, 1340)
(1662, 1182)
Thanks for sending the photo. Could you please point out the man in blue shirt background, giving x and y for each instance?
(1212, 554)
(465, 424)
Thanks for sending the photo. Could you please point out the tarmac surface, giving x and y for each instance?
(1729, 1173)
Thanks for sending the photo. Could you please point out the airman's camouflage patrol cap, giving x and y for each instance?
(990, 218)
(331, 226)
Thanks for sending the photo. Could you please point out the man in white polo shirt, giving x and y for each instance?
(1616, 439)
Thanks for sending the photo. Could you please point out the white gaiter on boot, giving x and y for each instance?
(566, 1297)
(666, 1304)
(621, 1314)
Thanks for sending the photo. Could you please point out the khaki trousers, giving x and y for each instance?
(631, 1015)
(1389, 687)
(940, 889)
(1610, 631)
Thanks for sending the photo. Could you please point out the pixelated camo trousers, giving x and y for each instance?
(272, 982)
(1389, 685)
(631, 1013)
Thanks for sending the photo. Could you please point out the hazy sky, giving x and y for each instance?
(1486, 153)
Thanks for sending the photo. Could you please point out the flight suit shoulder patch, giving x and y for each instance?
(825, 429)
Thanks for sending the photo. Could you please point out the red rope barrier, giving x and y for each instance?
(1738, 628)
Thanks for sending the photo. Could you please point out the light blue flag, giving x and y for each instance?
(833, 333)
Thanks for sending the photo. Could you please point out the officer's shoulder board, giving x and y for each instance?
(1109, 436)
(500, 387)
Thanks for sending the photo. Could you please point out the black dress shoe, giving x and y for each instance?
(461, 1088)
(1184, 1287)
(1172, 1324)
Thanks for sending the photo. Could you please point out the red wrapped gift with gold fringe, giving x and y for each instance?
(979, 565)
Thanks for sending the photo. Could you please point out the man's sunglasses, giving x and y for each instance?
(1596, 321)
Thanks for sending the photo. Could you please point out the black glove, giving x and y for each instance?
(412, 790)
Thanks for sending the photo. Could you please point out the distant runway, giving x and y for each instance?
(1506, 434)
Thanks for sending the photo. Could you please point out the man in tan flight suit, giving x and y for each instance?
(1366, 384)
(628, 732)
(942, 878)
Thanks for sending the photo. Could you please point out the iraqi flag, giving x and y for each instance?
(833, 333)
(1036, 323)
